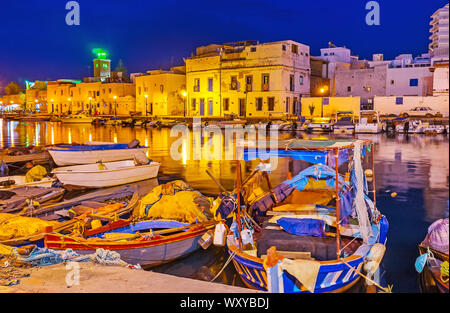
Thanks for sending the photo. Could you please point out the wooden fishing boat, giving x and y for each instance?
(19, 196)
(10, 156)
(147, 243)
(114, 174)
(88, 207)
(77, 118)
(303, 246)
(18, 181)
(434, 276)
(431, 279)
(88, 154)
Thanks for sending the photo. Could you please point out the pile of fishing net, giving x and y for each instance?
(13, 226)
(12, 268)
(175, 200)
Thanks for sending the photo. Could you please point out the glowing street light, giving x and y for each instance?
(184, 94)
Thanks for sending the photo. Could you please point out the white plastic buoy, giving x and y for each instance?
(247, 237)
(373, 260)
(219, 235)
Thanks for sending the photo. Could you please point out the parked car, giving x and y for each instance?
(421, 111)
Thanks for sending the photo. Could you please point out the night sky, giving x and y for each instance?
(36, 43)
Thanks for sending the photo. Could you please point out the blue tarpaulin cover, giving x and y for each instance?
(302, 227)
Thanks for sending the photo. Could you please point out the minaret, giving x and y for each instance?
(102, 65)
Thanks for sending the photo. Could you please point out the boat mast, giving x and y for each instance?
(373, 179)
(336, 160)
(238, 191)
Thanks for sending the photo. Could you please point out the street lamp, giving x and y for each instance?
(51, 101)
(146, 107)
(322, 91)
(184, 94)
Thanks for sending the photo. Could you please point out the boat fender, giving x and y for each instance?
(373, 260)
(247, 237)
(219, 235)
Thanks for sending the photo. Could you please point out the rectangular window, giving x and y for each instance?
(259, 104)
(197, 84)
(399, 100)
(248, 83)
(265, 82)
(291, 83)
(233, 85)
(139, 90)
(283, 47)
(349, 88)
(226, 104)
(287, 104)
(271, 103)
(301, 80)
(193, 104)
(210, 84)
(253, 49)
(392, 82)
(414, 82)
(295, 49)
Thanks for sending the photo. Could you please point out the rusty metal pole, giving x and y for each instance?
(336, 156)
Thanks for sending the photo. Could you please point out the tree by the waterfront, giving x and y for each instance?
(13, 88)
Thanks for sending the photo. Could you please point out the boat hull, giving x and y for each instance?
(368, 128)
(333, 277)
(64, 157)
(91, 178)
(147, 253)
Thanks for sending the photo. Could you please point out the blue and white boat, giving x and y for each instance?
(89, 154)
(318, 231)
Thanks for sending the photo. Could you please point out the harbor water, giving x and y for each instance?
(411, 172)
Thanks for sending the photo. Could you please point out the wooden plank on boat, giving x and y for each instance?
(296, 255)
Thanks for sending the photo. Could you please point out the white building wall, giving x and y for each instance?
(387, 105)
(398, 81)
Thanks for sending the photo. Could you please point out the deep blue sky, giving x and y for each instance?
(36, 43)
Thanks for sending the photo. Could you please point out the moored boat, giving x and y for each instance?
(320, 124)
(432, 264)
(345, 123)
(308, 241)
(369, 122)
(88, 154)
(77, 118)
(28, 225)
(106, 174)
(168, 224)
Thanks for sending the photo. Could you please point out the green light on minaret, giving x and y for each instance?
(101, 54)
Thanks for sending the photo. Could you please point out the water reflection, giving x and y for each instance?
(415, 167)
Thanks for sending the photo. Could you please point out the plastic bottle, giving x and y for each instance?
(219, 235)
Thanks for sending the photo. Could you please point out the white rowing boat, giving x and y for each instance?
(116, 173)
(88, 154)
